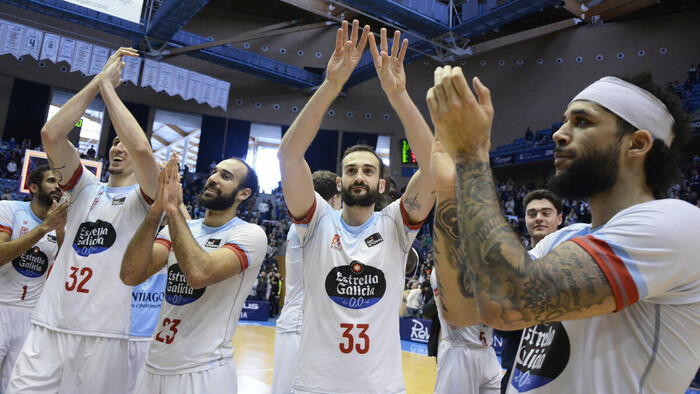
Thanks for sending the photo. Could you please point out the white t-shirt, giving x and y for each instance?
(290, 319)
(649, 253)
(22, 279)
(196, 326)
(83, 294)
(353, 286)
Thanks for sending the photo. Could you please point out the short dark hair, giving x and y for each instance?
(324, 184)
(662, 166)
(543, 194)
(365, 148)
(37, 176)
(250, 181)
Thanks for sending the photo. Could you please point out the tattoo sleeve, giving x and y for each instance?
(453, 271)
(511, 288)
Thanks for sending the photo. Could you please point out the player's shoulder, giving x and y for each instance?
(12, 206)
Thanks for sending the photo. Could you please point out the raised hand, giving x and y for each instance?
(348, 51)
(113, 74)
(172, 188)
(163, 195)
(117, 56)
(389, 66)
(462, 123)
(56, 217)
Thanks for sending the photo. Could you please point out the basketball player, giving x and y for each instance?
(211, 264)
(354, 260)
(81, 322)
(618, 147)
(543, 216)
(28, 245)
(466, 362)
(289, 324)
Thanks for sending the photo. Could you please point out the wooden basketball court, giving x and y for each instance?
(254, 354)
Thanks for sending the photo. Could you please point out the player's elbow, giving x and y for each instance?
(128, 278)
(196, 279)
(49, 134)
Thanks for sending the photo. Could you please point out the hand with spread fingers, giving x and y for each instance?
(462, 123)
(389, 66)
(348, 51)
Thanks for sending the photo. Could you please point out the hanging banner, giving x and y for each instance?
(165, 78)
(222, 89)
(208, 90)
(131, 70)
(32, 43)
(65, 53)
(49, 48)
(98, 59)
(3, 28)
(125, 9)
(194, 87)
(81, 57)
(150, 73)
(180, 82)
(12, 42)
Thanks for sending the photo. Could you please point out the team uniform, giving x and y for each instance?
(21, 282)
(146, 300)
(466, 362)
(81, 322)
(353, 289)
(192, 350)
(289, 324)
(649, 255)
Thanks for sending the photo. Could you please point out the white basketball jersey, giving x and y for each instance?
(146, 300)
(290, 319)
(22, 279)
(353, 287)
(196, 326)
(651, 344)
(478, 335)
(83, 293)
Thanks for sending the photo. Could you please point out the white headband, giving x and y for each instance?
(638, 107)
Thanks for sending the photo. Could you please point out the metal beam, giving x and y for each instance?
(170, 17)
(522, 36)
(250, 35)
(178, 130)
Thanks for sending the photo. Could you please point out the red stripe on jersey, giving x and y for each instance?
(309, 216)
(6, 229)
(164, 242)
(621, 282)
(145, 197)
(404, 216)
(73, 180)
(240, 253)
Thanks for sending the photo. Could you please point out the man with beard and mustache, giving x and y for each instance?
(82, 320)
(211, 264)
(354, 259)
(621, 140)
(28, 244)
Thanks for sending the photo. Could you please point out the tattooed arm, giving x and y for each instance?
(452, 269)
(512, 290)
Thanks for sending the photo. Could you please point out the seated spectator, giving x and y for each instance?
(6, 195)
(413, 300)
(11, 169)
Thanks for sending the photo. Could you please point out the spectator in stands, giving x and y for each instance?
(12, 169)
(261, 287)
(91, 152)
(275, 290)
(6, 195)
(692, 74)
(413, 300)
(528, 137)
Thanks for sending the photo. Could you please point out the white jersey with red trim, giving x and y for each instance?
(83, 294)
(290, 319)
(353, 286)
(651, 344)
(196, 326)
(476, 335)
(22, 279)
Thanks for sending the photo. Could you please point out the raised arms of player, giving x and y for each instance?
(63, 158)
(296, 175)
(9, 250)
(419, 197)
(129, 132)
(511, 289)
(452, 269)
